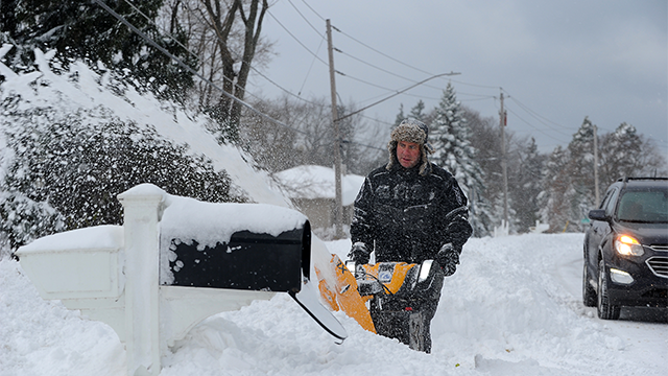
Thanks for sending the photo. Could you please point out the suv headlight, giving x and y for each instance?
(628, 246)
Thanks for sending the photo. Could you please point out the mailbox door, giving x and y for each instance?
(249, 261)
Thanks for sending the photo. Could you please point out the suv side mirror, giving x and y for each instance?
(598, 215)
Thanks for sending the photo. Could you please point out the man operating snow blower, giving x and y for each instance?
(408, 211)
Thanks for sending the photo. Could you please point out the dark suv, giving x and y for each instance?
(626, 248)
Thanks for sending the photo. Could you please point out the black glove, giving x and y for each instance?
(359, 253)
(448, 258)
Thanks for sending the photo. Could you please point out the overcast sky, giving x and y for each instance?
(556, 61)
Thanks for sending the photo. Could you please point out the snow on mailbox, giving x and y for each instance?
(174, 262)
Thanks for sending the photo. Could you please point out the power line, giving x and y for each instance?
(296, 39)
(377, 67)
(342, 52)
(395, 94)
(313, 10)
(475, 85)
(371, 65)
(532, 126)
(537, 116)
(309, 69)
(322, 61)
(476, 99)
(187, 67)
(315, 58)
(192, 71)
(532, 113)
(162, 30)
(307, 21)
(543, 120)
(218, 38)
(358, 59)
(381, 53)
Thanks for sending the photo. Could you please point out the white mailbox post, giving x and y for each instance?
(142, 208)
(113, 274)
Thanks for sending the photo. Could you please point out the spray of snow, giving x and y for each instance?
(89, 92)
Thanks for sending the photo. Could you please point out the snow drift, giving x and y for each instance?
(513, 307)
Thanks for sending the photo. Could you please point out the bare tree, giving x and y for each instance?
(226, 37)
(307, 136)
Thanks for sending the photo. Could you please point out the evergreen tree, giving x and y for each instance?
(450, 136)
(8, 24)
(581, 168)
(417, 112)
(528, 186)
(82, 29)
(63, 160)
(569, 182)
(485, 139)
(555, 209)
(400, 116)
(23, 220)
(621, 154)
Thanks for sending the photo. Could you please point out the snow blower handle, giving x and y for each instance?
(448, 258)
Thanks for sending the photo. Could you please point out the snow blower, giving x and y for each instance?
(388, 298)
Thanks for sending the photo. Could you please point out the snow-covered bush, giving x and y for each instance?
(23, 219)
(66, 172)
(72, 139)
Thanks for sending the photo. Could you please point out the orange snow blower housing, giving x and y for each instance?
(387, 298)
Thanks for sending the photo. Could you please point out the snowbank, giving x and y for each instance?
(513, 307)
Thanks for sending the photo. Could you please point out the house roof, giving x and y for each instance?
(312, 182)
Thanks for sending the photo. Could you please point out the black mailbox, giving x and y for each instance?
(249, 261)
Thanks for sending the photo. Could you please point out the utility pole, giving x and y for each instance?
(338, 201)
(598, 200)
(504, 166)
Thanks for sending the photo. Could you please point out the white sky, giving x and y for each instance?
(557, 62)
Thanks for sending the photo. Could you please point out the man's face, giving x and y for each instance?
(408, 153)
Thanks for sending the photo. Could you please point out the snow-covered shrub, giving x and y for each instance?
(66, 170)
(23, 219)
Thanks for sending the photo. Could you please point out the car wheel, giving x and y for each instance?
(589, 298)
(606, 311)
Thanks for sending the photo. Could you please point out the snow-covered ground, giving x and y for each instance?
(512, 308)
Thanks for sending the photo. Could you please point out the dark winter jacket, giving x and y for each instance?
(404, 216)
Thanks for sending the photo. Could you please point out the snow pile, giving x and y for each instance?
(40, 337)
(513, 307)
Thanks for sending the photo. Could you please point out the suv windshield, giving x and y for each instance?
(647, 206)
